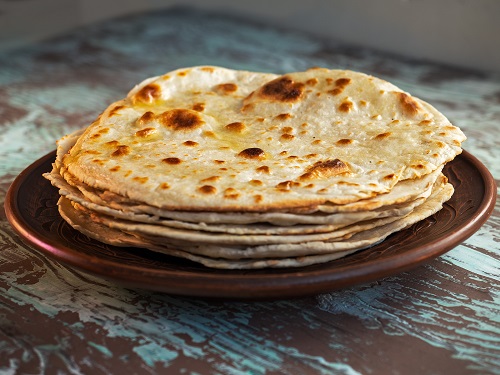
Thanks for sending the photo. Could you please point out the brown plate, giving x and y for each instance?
(31, 209)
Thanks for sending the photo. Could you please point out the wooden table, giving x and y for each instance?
(442, 317)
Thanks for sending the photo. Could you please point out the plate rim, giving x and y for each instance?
(250, 285)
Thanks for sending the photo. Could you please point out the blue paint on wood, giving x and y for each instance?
(107, 353)
(455, 308)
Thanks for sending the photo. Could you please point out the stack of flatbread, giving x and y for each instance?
(238, 170)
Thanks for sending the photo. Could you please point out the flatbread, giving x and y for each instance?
(274, 256)
(239, 223)
(196, 236)
(215, 139)
(245, 170)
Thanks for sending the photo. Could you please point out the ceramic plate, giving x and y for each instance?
(31, 209)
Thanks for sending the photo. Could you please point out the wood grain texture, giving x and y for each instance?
(440, 318)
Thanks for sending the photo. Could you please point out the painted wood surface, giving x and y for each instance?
(439, 318)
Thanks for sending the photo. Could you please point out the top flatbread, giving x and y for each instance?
(209, 138)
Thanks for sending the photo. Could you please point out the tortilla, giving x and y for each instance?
(215, 139)
(276, 256)
(245, 170)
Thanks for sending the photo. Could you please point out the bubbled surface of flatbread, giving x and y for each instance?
(210, 138)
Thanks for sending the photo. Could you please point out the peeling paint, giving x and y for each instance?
(449, 308)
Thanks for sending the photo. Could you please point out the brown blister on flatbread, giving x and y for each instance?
(148, 94)
(199, 107)
(252, 153)
(115, 110)
(145, 118)
(145, 132)
(172, 161)
(121, 150)
(324, 169)
(183, 120)
(236, 127)
(225, 88)
(409, 106)
(283, 89)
